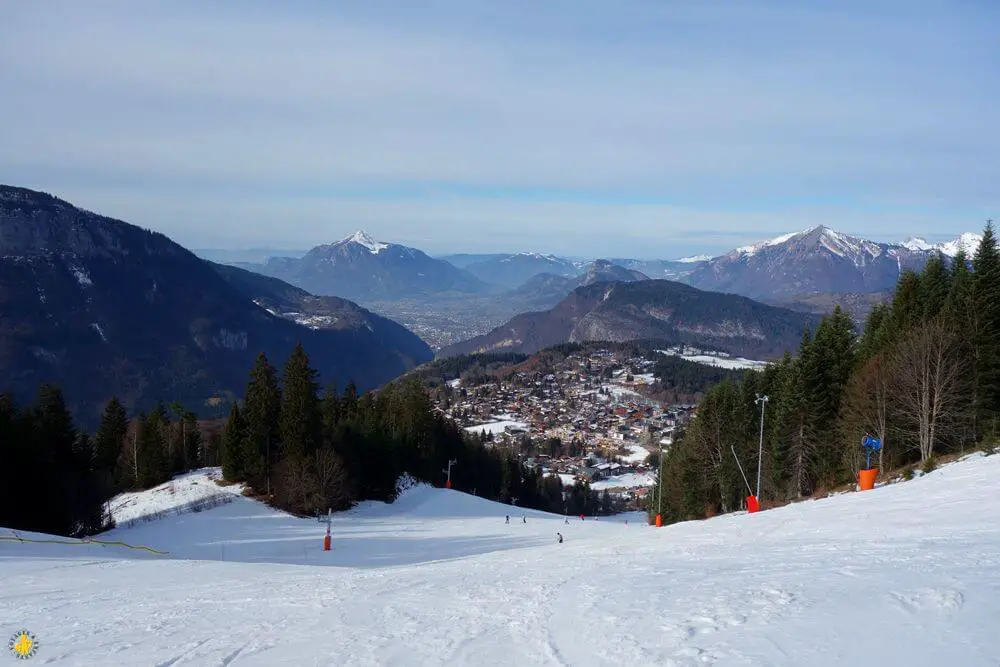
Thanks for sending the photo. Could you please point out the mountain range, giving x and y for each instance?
(658, 310)
(363, 269)
(817, 261)
(106, 308)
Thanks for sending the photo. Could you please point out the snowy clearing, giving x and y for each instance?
(735, 363)
(637, 454)
(627, 481)
(495, 427)
(906, 574)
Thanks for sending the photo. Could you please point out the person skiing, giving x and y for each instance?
(524, 519)
(508, 518)
(566, 521)
(559, 535)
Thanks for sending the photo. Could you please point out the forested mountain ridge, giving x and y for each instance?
(104, 308)
(649, 310)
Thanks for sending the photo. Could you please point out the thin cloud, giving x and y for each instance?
(704, 111)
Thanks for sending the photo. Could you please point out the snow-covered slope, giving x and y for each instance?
(192, 490)
(907, 574)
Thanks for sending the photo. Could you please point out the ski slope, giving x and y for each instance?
(907, 574)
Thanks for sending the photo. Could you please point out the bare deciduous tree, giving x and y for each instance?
(930, 384)
(866, 407)
(331, 479)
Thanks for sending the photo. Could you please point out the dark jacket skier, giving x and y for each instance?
(559, 535)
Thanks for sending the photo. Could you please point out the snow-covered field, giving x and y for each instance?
(628, 481)
(734, 363)
(495, 427)
(637, 454)
(907, 574)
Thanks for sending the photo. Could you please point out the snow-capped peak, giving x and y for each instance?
(917, 244)
(363, 238)
(694, 258)
(967, 241)
(778, 240)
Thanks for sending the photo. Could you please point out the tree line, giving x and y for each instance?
(923, 375)
(300, 449)
(62, 477)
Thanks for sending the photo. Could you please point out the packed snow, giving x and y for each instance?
(906, 574)
(637, 454)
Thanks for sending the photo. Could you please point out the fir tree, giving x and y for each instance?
(935, 286)
(986, 301)
(300, 425)
(232, 446)
(261, 411)
(109, 438)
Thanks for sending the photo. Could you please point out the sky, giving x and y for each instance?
(628, 128)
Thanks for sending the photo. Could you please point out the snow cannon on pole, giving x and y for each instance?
(866, 477)
(329, 520)
(752, 504)
(447, 471)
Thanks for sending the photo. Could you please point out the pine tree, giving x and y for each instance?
(232, 446)
(109, 440)
(192, 441)
(986, 301)
(261, 412)
(935, 285)
(151, 447)
(54, 436)
(300, 425)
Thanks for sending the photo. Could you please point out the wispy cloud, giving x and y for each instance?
(507, 124)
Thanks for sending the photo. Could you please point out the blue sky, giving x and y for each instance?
(643, 128)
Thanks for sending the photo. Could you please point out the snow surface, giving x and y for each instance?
(629, 481)
(735, 363)
(181, 491)
(906, 574)
(81, 276)
(495, 427)
(362, 237)
(967, 241)
(638, 454)
(694, 258)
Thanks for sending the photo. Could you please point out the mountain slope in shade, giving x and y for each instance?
(323, 312)
(649, 310)
(105, 308)
(363, 269)
(814, 261)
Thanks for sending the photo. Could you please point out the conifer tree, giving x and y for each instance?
(300, 424)
(109, 438)
(986, 301)
(261, 411)
(53, 437)
(151, 448)
(935, 286)
(232, 446)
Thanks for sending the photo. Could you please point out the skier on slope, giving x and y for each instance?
(524, 519)
(508, 518)
(559, 535)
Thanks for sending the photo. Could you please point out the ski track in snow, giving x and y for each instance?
(906, 574)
